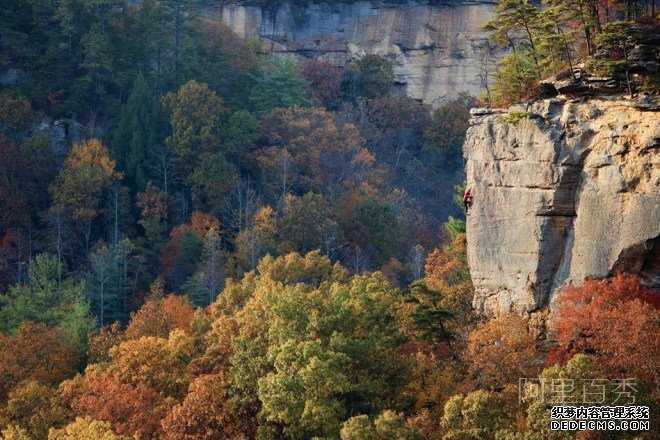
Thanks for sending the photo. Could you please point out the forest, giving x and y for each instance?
(201, 240)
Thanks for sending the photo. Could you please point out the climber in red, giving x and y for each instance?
(467, 199)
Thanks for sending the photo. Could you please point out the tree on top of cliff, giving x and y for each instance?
(545, 40)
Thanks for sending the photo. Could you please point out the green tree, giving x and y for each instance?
(515, 26)
(375, 229)
(153, 219)
(616, 40)
(243, 131)
(308, 224)
(181, 17)
(328, 345)
(388, 425)
(94, 86)
(195, 112)
(584, 13)
(41, 300)
(109, 281)
(580, 369)
(187, 249)
(371, 77)
(455, 227)
(428, 315)
(211, 183)
(445, 134)
(281, 87)
(136, 135)
(477, 415)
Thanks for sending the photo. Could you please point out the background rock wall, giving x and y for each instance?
(433, 47)
(571, 191)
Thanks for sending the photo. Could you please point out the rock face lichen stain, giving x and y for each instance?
(568, 192)
(434, 47)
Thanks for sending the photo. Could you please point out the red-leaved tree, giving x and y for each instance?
(616, 322)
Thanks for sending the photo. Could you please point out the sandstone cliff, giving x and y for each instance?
(434, 48)
(563, 190)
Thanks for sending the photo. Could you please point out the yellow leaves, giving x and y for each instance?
(85, 428)
(88, 171)
(156, 362)
(15, 113)
(264, 222)
(94, 154)
(195, 112)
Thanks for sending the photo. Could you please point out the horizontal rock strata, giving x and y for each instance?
(434, 48)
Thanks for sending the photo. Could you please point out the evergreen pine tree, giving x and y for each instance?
(284, 87)
(136, 134)
(41, 299)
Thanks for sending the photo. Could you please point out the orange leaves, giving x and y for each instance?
(152, 202)
(616, 322)
(158, 317)
(207, 413)
(501, 351)
(447, 271)
(325, 154)
(448, 266)
(36, 352)
(130, 409)
(143, 369)
(101, 343)
(88, 171)
(201, 223)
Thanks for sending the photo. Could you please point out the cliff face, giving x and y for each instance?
(571, 191)
(434, 48)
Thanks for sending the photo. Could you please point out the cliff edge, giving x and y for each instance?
(563, 189)
(436, 49)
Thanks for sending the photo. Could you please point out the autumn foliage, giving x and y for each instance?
(159, 316)
(617, 322)
(36, 352)
(129, 409)
(203, 238)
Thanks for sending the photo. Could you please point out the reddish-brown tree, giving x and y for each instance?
(158, 317)
(207, 413)
(329, 157)
(38, 353)
(617, 322)
(130, 409)
(325, 80)
(501, 351)
(101, 343)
